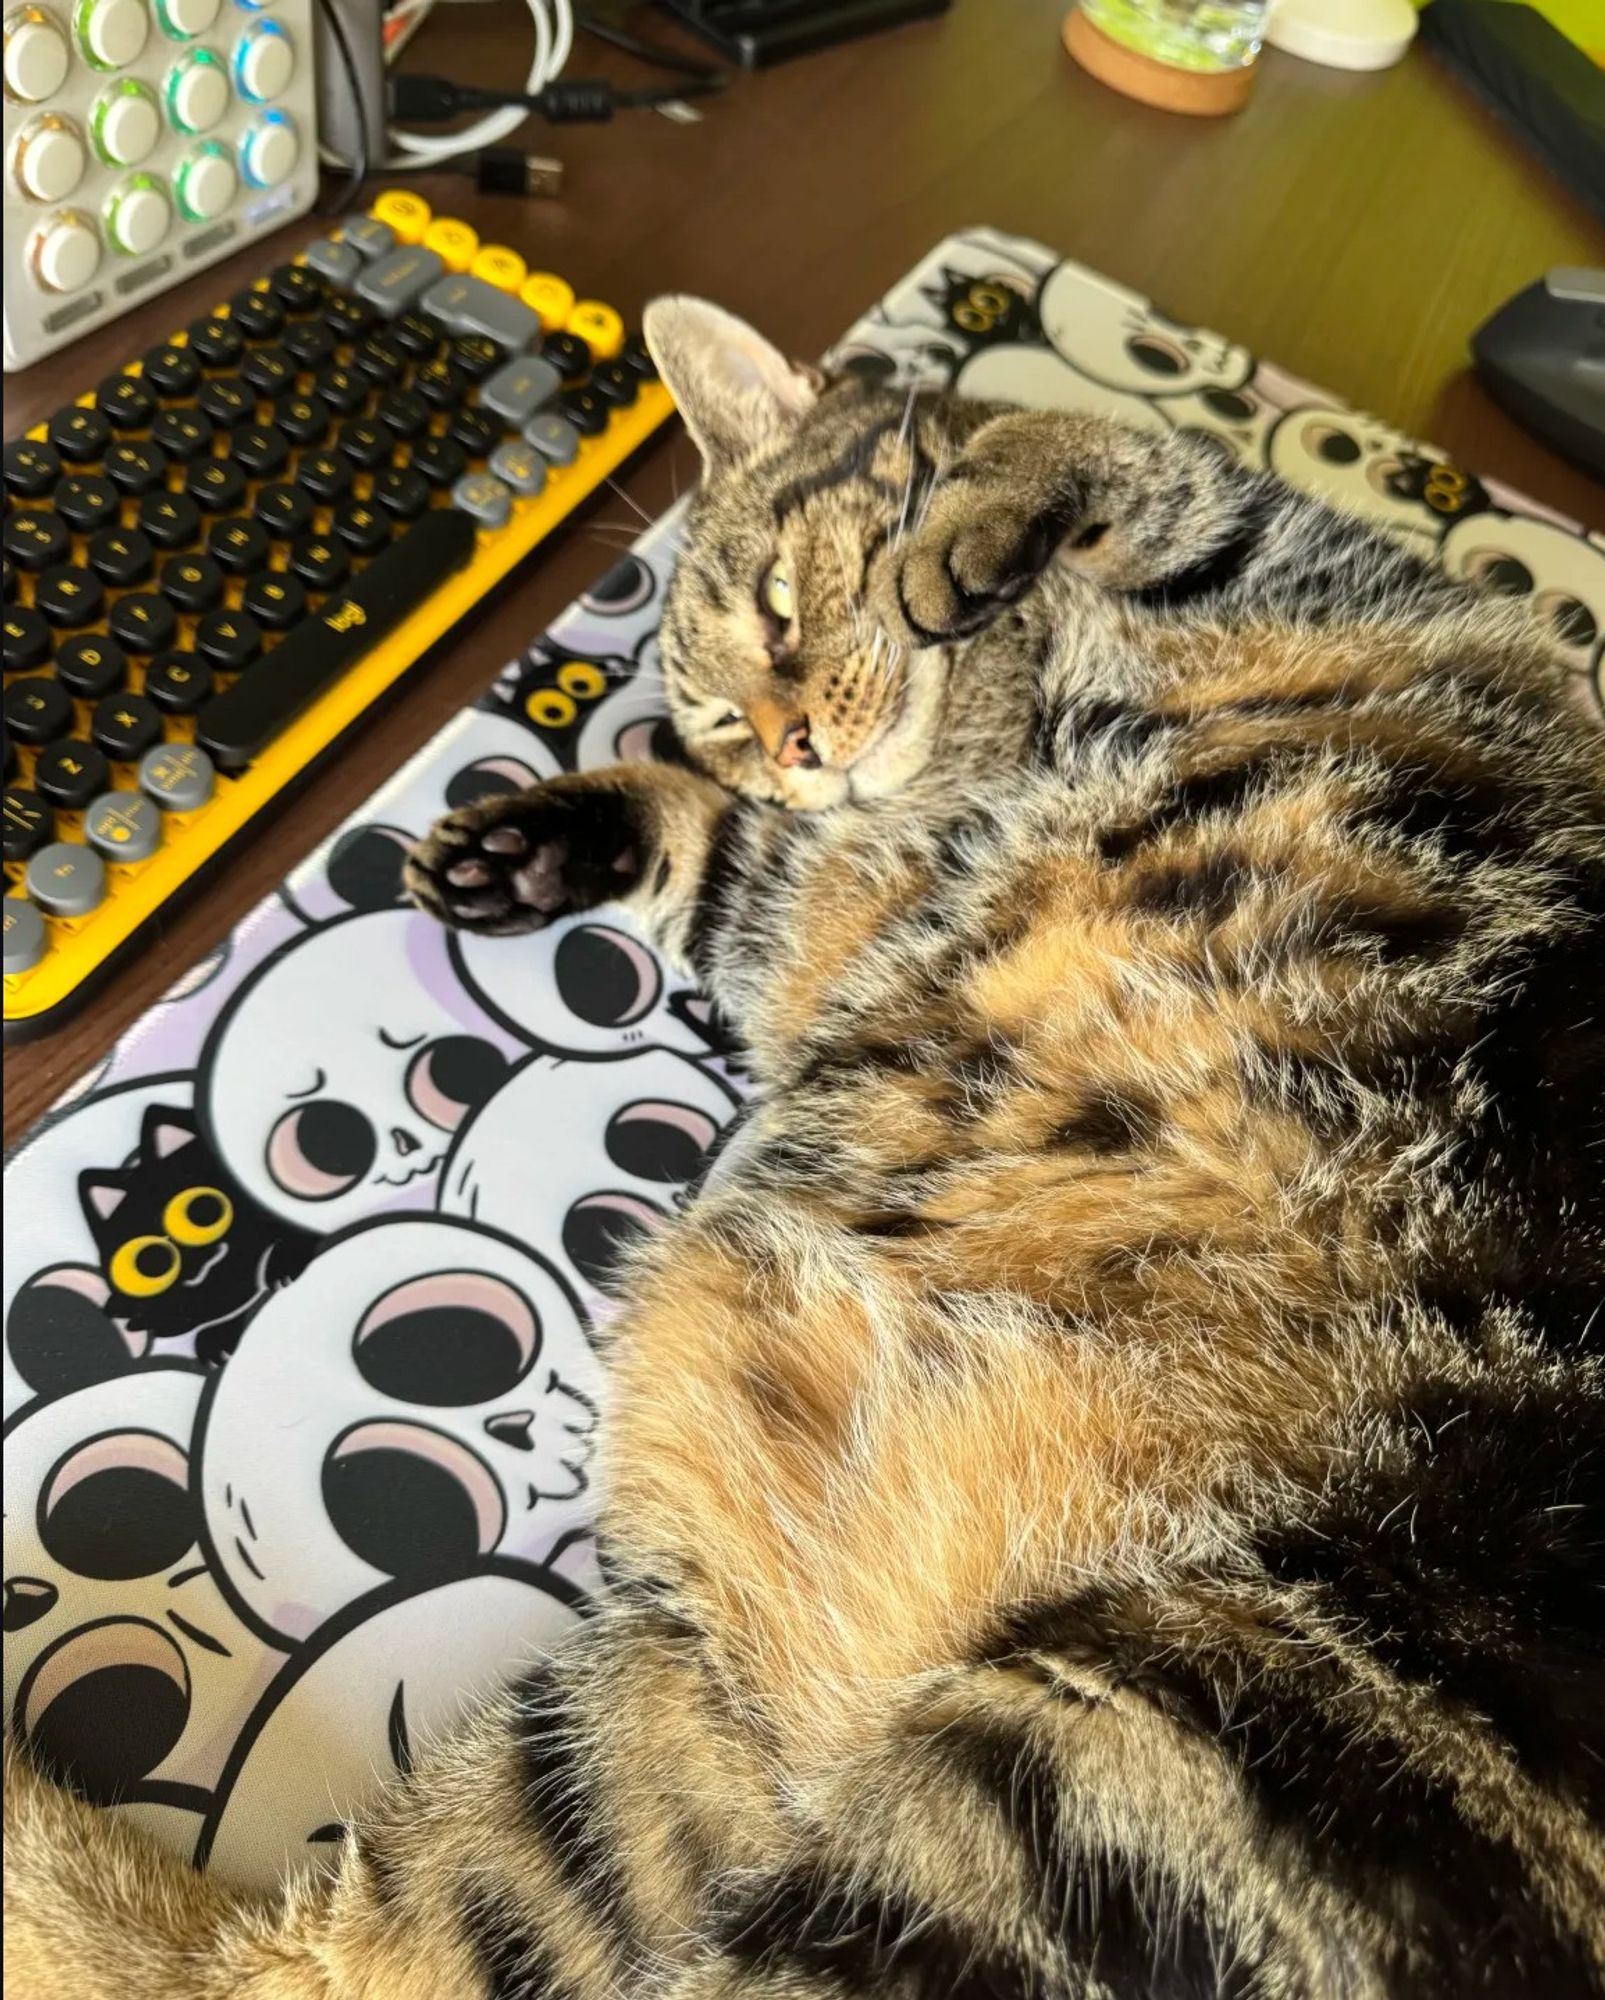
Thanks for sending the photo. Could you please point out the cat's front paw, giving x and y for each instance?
(974, 553)
(519, 862)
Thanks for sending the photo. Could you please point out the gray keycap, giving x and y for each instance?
(124, 826)
(368, 236)
(66, 880)
(469, 305)
(25, 936)
(487, 499)
(395, 281)
(179, 776)
(516, 392)
(554, 438)
(520, 465)
(335, 259)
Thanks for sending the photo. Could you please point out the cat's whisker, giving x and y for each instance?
(634, 506)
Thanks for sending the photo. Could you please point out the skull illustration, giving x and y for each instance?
(422, 1396)
(357, 1706)
(1037, 378)
(125, 1669)
(332, 1083)
(582, 1156)
(1114, 336)
(1561, 574)
(1352, 461)
(1240, 421)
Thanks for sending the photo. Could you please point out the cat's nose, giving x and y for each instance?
(403, 1140)
(513, 1427)
(796, 752)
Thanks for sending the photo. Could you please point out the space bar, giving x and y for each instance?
(237, 726)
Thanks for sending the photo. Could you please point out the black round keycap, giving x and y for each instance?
(70, 595)
(216, 485)
(442, 461)
(296, 288)
(125, 402)
(216, 343)
(637, 359)
(415, 335)
(343, 389)
(34, 538)
(585, 410)
(71, 773)
(476, 356)
(442, 384)
(37, 710)
(192, 583)
(85, 501)
(261, 449)
(275, 599)
(228, 640)
(172, 520)
(121, 557)
(255, 314)
(144, 622)
(401, 491)
(320, 562)
(616, 383)
(27, 639)
(406, 414)
(178, 682)
(269, 370)
(237, 545)
(362, 525)
(367, 442)
(182, 434)
(31, 468)
(90, 664)
(8, 569)
(29, 822)
(475, 432)
(79, 434)
(136, 467)
(172, 370)
(347, 318)
(568, 354)
(227, 400)
(126, 725)
(378, 360)
(303, 419)
(326, 475)
(309, 342)
(284, 510)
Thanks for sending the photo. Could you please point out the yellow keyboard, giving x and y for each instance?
(218, 558)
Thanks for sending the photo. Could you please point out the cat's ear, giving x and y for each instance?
(165, 1131)
(735, 392)
(101, 1194)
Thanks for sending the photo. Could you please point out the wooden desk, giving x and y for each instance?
(1354, 228)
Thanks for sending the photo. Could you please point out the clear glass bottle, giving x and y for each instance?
(1187, 34)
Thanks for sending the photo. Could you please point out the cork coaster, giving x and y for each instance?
(1196, 93)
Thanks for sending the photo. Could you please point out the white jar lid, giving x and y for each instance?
(1342, 34)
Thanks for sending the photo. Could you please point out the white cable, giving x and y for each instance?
(553, 23)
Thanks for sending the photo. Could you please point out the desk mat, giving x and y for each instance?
(301, 1284)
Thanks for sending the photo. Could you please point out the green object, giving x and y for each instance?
(1187, 34)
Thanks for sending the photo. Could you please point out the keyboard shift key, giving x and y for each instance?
(124, 826)
(70, 773)
(180, 777)
(125, 726)
(466, 304)
(29, 823)
(66, 880)
(25, 940)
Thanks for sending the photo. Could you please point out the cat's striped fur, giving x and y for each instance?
(1105, 1493)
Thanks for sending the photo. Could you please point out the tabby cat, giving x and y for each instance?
(1106, 1487)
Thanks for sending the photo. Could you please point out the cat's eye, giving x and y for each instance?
(730, 718)
(144, 1266)
(198, 1216)
(777, 593)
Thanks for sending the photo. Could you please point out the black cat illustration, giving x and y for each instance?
(182, 1247)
